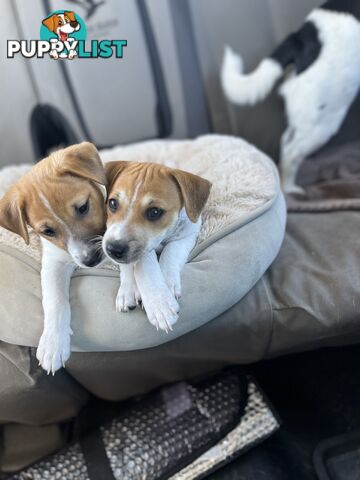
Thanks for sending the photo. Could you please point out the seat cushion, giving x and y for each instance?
(243, 228)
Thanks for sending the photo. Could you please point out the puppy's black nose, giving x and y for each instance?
(117, 250)
(74, 24)
(93, 259)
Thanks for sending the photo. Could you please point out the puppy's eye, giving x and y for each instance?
(113, 204)
(83, 209)
(154, 213)
(49, 232)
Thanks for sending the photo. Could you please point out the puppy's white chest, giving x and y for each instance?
(177, 231)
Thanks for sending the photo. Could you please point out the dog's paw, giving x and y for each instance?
(53, 350)
(72, 54)
(162, 310)
(128, 298)
(173, 281)
(54, 55)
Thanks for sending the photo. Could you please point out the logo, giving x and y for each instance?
(63, 36)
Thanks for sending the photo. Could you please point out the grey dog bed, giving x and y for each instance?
(243, 228)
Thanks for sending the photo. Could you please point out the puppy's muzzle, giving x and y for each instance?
(92, 259)
(117, 250)
(92, 254)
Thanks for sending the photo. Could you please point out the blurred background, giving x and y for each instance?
(167, 84)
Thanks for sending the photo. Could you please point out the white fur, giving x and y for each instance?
(157, 284)
(128, 295)
(318, 99)
(56, 270)
(160, 305)
(76, 248)
(118, 231)
(249, 88)
(176, 252)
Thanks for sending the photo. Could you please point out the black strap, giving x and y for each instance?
(163, 109)
(97, 462)
(196, 107)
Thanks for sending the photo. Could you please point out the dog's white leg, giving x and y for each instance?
(54, 54)
(159, 303)
(128, 296)
(56, 271)
(290, 161)
(172, 261)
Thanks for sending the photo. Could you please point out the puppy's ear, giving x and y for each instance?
(82, 160)
(12, 214)
(70, 15)
(113, 170)
(49, 23)
(194, 191)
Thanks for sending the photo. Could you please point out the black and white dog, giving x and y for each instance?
(323, 82)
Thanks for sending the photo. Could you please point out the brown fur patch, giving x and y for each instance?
(70, 15)
(166, 188)
(144, 185)
(51, 23)
(46, 196)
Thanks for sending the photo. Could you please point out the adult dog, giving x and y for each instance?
(324, 81)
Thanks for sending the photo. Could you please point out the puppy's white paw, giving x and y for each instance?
(54, 54)
(162, 310)
(173, 281)
(54, 349)
(128, 298)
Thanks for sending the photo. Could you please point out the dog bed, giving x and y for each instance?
(243, 228)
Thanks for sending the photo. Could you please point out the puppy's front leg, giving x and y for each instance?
(159, 303)
(128, 296)
(172, 260)
(54, 346)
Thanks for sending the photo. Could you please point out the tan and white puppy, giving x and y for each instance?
(63, 25)
(60, 198)
(152, 209)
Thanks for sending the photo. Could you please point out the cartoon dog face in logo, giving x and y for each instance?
(63, 25)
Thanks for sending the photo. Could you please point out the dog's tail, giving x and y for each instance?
(248, 89)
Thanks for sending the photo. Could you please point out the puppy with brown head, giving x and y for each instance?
(152, 209)
(62, 200)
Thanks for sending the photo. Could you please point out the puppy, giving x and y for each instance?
(62, 201)
(62, 25)
(324, 81)
(152, 209)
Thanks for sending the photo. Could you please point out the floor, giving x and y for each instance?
(317, 396)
